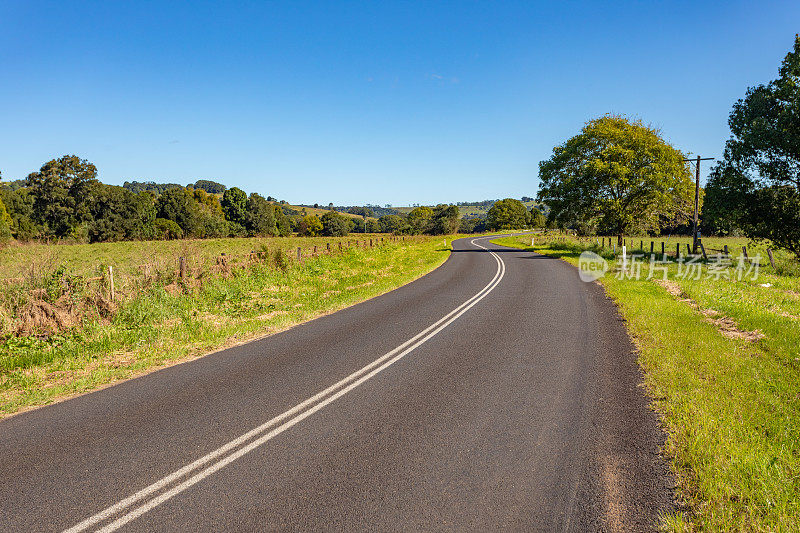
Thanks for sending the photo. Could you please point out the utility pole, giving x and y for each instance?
(696, 197)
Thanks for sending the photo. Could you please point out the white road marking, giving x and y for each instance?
(301, 410)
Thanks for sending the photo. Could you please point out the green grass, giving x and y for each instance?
(154, 327)
(785, 262)
(130, 258)
(731, 407)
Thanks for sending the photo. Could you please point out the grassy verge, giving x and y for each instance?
(170, 320)
(722, 365)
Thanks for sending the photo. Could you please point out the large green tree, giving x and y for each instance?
(335, 224)
(282, 220)
(392, 224)
(260, 217)
(309, 226)
(757, 185)
(61, 191)
(19, 204)
(119, 214)
(616, 176)
(445, 219)
(537, 218)
(507, 214)
(180, 206)
(234, 205)
(420, 219)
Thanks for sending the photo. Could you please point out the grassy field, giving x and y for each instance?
(722, 365)
(132, 258)
(162, 319)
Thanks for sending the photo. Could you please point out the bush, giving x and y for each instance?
(309, 226)
(335, 224)
(167, 229)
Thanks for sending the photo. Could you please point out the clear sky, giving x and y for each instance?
(356, 102)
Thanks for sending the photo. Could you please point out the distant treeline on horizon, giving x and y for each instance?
(64, 200)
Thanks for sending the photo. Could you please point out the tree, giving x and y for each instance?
(118, 214)
(282, 221)
(359, 225)
(507, 214)
(260, 217)
(157, 188)
(363, 211)
(616, 176)
(310, 226)
(179, 206)
(445, 219)
(234, 205)
(167, 229)
(392, 224)
(472, 225)
(335, 224)
(759, 177)
(420, 219)
(210, 186)
(61, 190)
(19, 205)
(537, 218)
(211, 219)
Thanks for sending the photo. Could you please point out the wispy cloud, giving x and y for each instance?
(443, 79)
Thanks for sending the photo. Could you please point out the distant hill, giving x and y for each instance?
(474, 209)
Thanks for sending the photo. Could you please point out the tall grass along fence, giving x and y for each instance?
(677, 247)
(44, 302)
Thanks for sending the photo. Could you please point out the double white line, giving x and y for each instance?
(242, 445)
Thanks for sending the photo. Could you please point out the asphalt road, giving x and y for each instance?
(497, 392)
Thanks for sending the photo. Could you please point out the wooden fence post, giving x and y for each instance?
(111, 280)
(702, 249)
(688, 249)
(771, 259)
(744, 251)
(182, 267)
(651, 246)
(662, 249)
(329, 247)
(678, 250)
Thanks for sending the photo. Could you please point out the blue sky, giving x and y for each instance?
(356, 102)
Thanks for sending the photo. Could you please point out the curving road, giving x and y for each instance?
(497, 392)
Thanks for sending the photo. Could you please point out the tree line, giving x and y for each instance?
(620, 176)
(65, 200)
